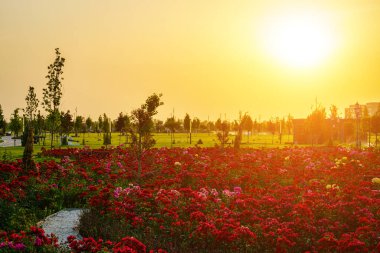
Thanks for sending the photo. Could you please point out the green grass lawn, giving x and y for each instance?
(95, 140)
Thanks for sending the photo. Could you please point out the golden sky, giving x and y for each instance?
(208, 58)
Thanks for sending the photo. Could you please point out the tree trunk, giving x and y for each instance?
(27, 159)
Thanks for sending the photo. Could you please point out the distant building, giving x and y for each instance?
(372, 108)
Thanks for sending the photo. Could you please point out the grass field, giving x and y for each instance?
(95, 140)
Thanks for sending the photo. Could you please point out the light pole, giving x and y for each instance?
(357, 113)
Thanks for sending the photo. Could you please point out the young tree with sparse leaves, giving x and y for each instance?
(141, 127)
(223, 129)
(28, 138)
(239, 131)
(31, 105)
(52, 94)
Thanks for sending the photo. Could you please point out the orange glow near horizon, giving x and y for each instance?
(208, 58)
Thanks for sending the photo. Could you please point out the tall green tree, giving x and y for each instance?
(122, 123)
(187, 125)
(100, 124)
(142, 126)
(106, 128)
(66, 122)
(15, 124)
(52, 94)
(195, 124)
(89, 123)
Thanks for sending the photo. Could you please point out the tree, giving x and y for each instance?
(15, 124)
(141, 128)
(40, 125)
(158, 125)
(223, 129)
(31, 105)
(187, 125)
(106, 128)
(27, 157)
(30, 112)
(173, 125)
(333, 112)
(247, 125)
(317, 125)
(195, 124)
(2, 122)
(78, 125)
(53, 93)
(279, 126)
(66, 124)
(333, 122)
(28, 139)
(239, 129)
(122, 123)
(100, 124)
(88, 124)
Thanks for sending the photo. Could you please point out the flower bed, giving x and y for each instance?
(211, 200)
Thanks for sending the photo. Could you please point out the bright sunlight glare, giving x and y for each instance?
(299, 40)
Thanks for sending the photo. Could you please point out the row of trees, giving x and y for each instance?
(139, 124)
(61, 124)
(321, 128)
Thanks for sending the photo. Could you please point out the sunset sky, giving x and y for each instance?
(207, 58)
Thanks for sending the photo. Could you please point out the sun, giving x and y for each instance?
(299, 40)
